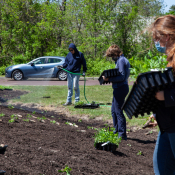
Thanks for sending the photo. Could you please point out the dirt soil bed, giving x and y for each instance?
(36, 147)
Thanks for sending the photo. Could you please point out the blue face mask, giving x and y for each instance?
(159, 48)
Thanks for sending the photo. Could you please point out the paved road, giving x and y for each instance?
(45, 82)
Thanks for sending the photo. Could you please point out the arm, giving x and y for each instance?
(84, 63)
(122, 73)
(66, 63)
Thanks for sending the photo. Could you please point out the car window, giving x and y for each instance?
(54, 60)
(39, 61)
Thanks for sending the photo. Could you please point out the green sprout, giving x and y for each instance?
(52, 121)
(2, 115)
(66, 169)
(10, 107)
(140, 153)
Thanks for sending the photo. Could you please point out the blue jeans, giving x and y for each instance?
(119, 120)
(164, 154)
(73, 81)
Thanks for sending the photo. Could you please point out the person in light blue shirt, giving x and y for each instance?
(120, 89)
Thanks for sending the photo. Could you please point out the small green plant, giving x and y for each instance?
(41, 118)
(12, 120)
(66, 169)
(80, 103)
(151, 132)
(10, 107)
(2, 115)
(106, 135)
(129, 144)
(26, 120)
(52, 116)
(128, 130)
(33, 112)
(67, 123)
(80, 120)
(52, 121)
(29, 116)
(140, 153)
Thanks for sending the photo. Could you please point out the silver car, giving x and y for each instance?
(42, 67)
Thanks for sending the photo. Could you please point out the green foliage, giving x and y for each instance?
(97, 66)
(5, 87)
(10, 107)
(145, 64)
(30, 29)
(2, 115)
(2, 70)
(105, 135)
(66, 169)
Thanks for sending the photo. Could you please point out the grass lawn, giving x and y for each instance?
(58, 94)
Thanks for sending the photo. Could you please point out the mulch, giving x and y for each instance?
(37, 146)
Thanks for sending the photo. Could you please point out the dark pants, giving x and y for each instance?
(119, 120)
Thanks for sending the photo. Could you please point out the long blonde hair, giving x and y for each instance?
(166, 25)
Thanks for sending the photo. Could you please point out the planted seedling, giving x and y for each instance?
(12, 120)
(41, 118)
(26, 120)
(52, 116)
(105, 135)
(80, 120)
(66, 169)
(140, 153)
(52, 121)
(29, 116)
(2, 115)
(128, 130)
(33, 112)
(129, 144)
(151, 132)
(10, 107)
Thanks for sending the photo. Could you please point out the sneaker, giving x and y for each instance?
(67, 103)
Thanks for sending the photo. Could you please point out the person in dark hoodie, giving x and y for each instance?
(73, 62)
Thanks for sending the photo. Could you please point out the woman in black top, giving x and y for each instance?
(163, 32)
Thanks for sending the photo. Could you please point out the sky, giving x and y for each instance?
(169, 3)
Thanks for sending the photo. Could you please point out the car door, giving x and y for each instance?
(51, 65)
(37, 69)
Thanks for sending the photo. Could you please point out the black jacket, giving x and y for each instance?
(165, 113)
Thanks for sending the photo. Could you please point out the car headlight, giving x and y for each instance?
(9, 68)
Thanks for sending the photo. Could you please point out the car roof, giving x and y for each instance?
(52, 57)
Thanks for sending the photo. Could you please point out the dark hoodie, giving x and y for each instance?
(74, 61)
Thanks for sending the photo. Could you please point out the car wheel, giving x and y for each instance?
(62, 75)
(17, 75)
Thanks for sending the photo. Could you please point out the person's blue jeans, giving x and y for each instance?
(73, 81)
(164, 154)
(119, 120)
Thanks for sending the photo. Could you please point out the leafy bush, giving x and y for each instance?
(19, 59)
(145, 64)
(2, 70)
(97, 66)
(58, 52)
(105, 135)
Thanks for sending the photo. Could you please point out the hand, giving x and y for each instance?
(60, 67)
(105, 79)
(83, 74)
(160, 95)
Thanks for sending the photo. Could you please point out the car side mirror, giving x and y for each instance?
(32, 64)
